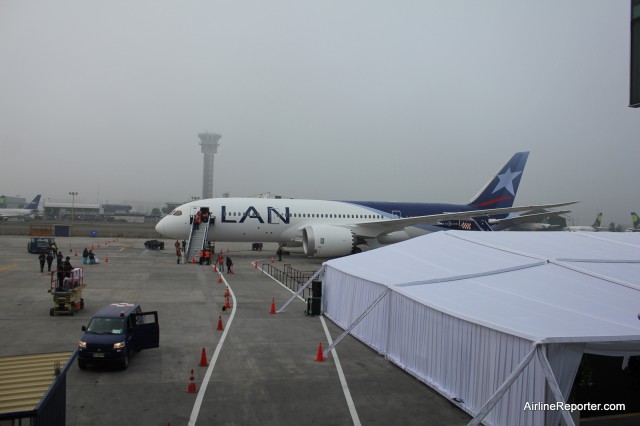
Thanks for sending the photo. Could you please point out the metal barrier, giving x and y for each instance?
(290, 277)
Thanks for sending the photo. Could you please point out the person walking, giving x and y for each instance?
(49, 261)
(221, 262)
(178, 254)
(85, 256)
(42, 258)
(229, 265)
(184, 246)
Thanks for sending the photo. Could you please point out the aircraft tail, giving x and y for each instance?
(636, 221)
(33, 205)
(501, 190)
(598, 222)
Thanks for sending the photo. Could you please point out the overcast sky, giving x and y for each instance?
(358, 100)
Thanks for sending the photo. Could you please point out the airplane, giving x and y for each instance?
(597, 226)
(337, 228)
(636, 223)
(29, 210)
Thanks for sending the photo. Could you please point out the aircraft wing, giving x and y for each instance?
(374, 229)
(525, 218)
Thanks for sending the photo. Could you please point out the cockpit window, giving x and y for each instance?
(176, 212)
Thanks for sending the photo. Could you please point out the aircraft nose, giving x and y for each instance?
(160, 227)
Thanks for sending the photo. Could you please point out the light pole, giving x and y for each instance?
(73, 206)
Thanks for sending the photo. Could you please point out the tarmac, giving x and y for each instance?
(262, 367)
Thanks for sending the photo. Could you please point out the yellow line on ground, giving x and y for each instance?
(4, 268)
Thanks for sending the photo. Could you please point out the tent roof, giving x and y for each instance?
(542, 286)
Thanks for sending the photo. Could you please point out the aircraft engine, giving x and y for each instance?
(327, 241)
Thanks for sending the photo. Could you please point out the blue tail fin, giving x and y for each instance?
(636, 221)
(33, 205)
(501, 190)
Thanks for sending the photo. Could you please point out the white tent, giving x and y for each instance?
(467, 312)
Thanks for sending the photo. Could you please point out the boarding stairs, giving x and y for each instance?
(197, 242)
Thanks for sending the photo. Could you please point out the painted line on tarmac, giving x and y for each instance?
(205, 381)
(4, 268)
(343, 380)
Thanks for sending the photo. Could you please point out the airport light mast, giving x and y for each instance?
(209, 146)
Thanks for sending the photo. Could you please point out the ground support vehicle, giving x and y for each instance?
(38, 245)
(67, 298)
(154, 245)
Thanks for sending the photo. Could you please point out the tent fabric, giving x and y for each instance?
(464, 308)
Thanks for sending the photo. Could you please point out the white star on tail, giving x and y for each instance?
(506, 181)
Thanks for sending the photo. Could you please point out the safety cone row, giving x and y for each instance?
(191, 387)
(203, 359)
(319, 356)
(219, 323)
(273, 306)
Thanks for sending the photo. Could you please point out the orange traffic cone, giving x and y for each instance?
(193, 259)
(203, 359)
(191, 387)
(227, 305)
(273, 260)
(106, 259)
(319, 356)
(231, 271)
(273, 306)
(215, 269)
(219, 322)
(255, 265)
(219, 278)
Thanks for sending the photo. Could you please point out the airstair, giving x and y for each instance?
(197, 242)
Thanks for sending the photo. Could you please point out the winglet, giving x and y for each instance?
(501, 190)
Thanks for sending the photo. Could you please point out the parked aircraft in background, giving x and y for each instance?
(29, 210)
(636, 223)
(337, 228)
(597, 226)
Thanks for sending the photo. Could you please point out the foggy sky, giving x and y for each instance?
(356, 100)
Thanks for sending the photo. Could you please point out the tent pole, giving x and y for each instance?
(299, 292)
(553, 384)
(502, 389)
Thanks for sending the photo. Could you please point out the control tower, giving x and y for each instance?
(209, 146)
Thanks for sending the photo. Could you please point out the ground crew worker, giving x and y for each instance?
(42, 259)
(49, 261)
(229, 264)
(184, 245)
(201, 256)
(221, 262)
(178, 254)
(177, 244)
(196, 221)
(279, 253)
(207, 257)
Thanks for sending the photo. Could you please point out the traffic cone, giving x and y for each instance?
(76, 253)
(227, 305)
(215, 268)
(255, 265)
(191, 387)
(319, 356)
(91, 247)
(220, 278)
(193, 259)
(106, 259)
(231, 271)
(203, 359)
(219, 322)
(273, 260)
(273, 306)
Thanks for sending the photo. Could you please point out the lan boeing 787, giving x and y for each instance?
(337, 228)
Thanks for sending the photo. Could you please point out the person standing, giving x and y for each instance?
(279, 253)
(184, 245)
(49, 261)
(85, 255)
(221, 262)
(178, 254)
(229, 265)
(42, 258)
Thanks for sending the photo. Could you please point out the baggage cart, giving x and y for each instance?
(67, 292)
